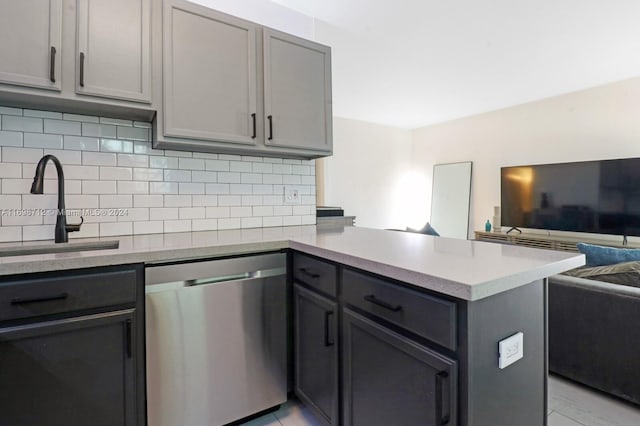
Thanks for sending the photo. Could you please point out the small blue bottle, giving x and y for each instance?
(487, 226)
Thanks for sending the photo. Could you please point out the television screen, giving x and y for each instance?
(592, 196)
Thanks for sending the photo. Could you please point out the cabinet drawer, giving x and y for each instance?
(424, 315)
(315, 273)
(36, 296)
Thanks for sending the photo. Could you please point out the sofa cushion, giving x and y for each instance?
(625, 273)
(426, 229)
(602, 255)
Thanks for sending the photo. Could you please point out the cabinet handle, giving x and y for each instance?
(442, 418)
(81, 69)
(52, 65)
(270, 118)
(308, 273)
(373, 299)
(328, 338)
(19, 301)
(128, 337)
(253, 118)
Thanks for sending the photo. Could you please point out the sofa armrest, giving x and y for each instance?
(593, 285)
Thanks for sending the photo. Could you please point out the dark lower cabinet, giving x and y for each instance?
(74, 371)
(316, 353)
(72, 348)
(389, 379)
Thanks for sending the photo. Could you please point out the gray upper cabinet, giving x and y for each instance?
(31, 43)
(113, 52)
(209, 65)
(297, 92)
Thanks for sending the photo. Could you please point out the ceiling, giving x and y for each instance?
(411, 63)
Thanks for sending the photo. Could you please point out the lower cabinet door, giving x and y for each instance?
(73, 372)
(316, 353)
(389, 379)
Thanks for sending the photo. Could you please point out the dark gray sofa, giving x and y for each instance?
(594, 334)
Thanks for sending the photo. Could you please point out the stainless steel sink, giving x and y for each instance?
(25, 250)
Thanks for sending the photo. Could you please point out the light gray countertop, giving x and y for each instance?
(469, 270)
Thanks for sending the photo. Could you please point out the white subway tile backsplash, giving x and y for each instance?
(217, 212)
(79, 143)
(99, 187)
(116, 173)
(163, 188)
(149, 175)
(163, 162)
(99, 130)
(205, 200)
(251, 222)
(192, 213)
(177, 201)
(10, 233)
(38, 232)
(191, 188)
(116, 228)
(229, 223)
(82, 172)
(115, 201)
(204, 224)
(191, 163)
(42, 140)
(10, 138)
(21, 124)
(133, 187)
(61, 127)
(239, 166)
(121, 185)
(152, 227)
(76, 117)
(163, 213)
(133, 133)
(148, 200)
(208, 177)
(21, 155)
(98, 159)
(133, 160)
(10, 111)
(11, 170)
(177, 226)
(116, 121)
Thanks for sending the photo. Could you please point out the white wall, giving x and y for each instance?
(369, 175)
(598, 123)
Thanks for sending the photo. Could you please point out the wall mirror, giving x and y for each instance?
(450, 199)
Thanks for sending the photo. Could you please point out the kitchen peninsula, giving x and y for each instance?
(413, 321)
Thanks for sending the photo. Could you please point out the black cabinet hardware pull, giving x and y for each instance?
(128, 336)
(52, 65)
(253, 118)
(372, 299)
(19, 301)
(81, 69)
(308, 273)
(440, 377)
(270, 118)
(328, 338)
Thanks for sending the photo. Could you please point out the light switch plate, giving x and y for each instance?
(510, 350)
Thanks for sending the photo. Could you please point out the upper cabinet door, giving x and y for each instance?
(209, 66)
(113, 57)
(297, 92)
(30, 43)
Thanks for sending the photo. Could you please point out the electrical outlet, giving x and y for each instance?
(291, 195)
(510, 350)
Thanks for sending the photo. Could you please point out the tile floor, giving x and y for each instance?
(569, 405)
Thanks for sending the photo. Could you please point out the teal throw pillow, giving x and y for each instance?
(601, 255)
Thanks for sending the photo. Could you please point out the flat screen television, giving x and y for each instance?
(591, 196)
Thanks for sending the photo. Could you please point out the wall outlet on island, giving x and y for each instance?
(510, 350)
(291, 195)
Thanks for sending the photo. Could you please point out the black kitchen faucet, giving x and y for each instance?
(62, 229)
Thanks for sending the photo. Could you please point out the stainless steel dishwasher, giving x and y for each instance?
(216, 339)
